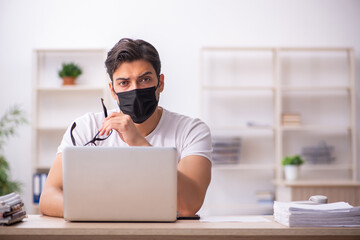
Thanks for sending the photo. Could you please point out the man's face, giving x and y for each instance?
(135, 75)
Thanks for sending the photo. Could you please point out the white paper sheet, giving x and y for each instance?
(233, 219)
(329, 206)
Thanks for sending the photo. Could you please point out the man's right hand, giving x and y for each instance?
(125, 127)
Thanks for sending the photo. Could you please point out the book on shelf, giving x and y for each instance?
(265, 197)
(290, 119)
(39, 180)
(291, 115)
(226, 150)
(319, 154)
(291, 124)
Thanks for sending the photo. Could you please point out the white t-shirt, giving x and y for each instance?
(188, 135)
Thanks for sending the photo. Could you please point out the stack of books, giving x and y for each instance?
(265, 198)
(226, 150)
(265, 201)
(320, 154)
(291, 119)
(39, 180)
(338, 214)
(11, 209)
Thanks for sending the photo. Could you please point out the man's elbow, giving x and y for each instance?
(43, 202)
(191, 208)
(51, 203)
(188, 210)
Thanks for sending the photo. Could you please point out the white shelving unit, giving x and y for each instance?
(226, 94)
(319, 84)
(56, 106)
(258, 85)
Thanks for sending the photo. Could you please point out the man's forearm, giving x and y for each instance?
(52, 203)
(190, 198)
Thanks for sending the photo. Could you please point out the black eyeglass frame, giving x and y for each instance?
(95, 138)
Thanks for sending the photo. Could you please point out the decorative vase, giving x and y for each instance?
(292, 172)
(68, 81)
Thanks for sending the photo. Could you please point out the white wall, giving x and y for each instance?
(178, 29)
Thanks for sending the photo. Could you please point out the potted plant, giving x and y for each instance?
(292, 167)
(8, 126)
(69, 72)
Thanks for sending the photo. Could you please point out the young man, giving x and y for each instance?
(136, 83)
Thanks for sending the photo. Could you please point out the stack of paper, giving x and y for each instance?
(339, 214)
(11, 209)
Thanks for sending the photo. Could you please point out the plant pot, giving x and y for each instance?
(68, 81)
(292, 172)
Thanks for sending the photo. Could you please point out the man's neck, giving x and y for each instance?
(150, 124)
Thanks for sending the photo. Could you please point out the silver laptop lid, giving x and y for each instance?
(120, 184)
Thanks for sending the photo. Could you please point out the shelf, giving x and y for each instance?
(238, 88)
(51, 128)
(326, 167)
(270, 88)
(310, 49)
(70, 88)
(317, 183)
(316, 83)
(315, 88)
(241, 128)
(316, 128)
(55, 107)
(42, 168)
(240, 166)
(72, 50)
(237, 49)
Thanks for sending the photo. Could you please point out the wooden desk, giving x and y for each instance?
(40, 227)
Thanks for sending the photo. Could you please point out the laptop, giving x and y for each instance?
(120, 184)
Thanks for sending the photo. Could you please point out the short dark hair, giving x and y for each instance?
(128, 50)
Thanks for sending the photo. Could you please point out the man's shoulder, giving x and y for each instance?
(181, 120)
(174, 116)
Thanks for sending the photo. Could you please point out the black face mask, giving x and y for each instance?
(139, 104)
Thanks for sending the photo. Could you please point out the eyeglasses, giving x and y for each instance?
(95, 138)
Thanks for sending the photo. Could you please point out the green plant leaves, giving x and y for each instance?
(70, 70)
(292, 160)
(9, 123)
(6, 186)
